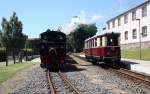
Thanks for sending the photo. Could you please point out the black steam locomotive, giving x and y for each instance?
(52, 49)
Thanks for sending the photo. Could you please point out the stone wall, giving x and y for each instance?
(144, 45)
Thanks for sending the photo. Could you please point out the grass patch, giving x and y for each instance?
(9, 71)
(135, 54)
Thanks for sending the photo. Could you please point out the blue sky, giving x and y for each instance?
(39, 15)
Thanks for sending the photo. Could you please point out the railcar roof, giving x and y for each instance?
(105, 34)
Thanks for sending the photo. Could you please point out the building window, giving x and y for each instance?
(126, 18)
(113, 23)
(133, 15)
(119, 22)
(126, 35)
(108, 25)
(144, 11)
(144, 31)
(134, 34)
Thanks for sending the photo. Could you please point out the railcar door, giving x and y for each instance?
(112, 50)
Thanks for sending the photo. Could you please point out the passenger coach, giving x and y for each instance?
(104, 48)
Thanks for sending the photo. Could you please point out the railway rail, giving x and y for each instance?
(134, 75)
(131, 74)
(50, 84)
(69, 85)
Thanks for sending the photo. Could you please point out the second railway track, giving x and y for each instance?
(65, 83)
(129, 74)
(134, 75)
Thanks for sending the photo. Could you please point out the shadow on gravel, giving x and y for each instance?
(71, 68)
(104, 66)
(70, 65)
(123, 64)
(70, 60)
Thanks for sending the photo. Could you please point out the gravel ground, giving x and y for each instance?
(88, 78)
(96, 80)
(84, 85)
(35, 84)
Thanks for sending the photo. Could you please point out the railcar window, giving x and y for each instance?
(85, 44)
(112, 41)
(104, 40)
(95, 42)
(90, 43)
(101, 41)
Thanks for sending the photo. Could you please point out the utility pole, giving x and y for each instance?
(140, 37)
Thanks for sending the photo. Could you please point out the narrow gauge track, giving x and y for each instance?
(128, 73)
(134, 75)
(50, 84)
(66, 82)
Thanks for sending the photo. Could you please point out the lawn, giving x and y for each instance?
(135, 54)
(9, 71)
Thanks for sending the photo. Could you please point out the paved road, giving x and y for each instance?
(138, 65)
(10, 60)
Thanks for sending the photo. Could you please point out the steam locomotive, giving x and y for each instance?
(52, 49)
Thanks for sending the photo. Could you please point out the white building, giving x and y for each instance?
(128, 24)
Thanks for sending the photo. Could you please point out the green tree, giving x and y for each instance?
(5, 36)
(0, 38)
(75, 40)
(70, 42)
(12, 37)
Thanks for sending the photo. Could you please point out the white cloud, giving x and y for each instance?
(79, 19)
(95, 18)
(71, 25)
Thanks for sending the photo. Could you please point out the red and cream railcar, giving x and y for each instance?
(103, 47)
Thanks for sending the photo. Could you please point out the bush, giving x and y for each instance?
(28, 51)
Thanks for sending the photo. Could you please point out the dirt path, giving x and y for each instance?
(10, 84)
